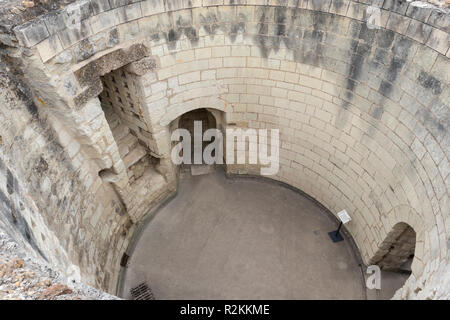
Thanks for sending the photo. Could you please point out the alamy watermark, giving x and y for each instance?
(373, 16)
(374, 280)
(235, 147)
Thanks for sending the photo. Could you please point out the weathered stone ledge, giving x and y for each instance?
(62, 28)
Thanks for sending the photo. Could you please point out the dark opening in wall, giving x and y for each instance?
(395, 257)
(188, 119)
(121, 105)
(397, 250)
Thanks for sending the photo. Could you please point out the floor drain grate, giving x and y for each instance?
(142, 292)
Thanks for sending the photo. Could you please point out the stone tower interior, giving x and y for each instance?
(92, 90)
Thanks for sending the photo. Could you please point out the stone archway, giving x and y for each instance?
(206, 119)
(120, 102)
(395, 257)
(397, 249)
(199, 121)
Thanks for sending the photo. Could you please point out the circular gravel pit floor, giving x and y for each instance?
(242, 238)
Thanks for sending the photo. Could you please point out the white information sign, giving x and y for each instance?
(344, 216)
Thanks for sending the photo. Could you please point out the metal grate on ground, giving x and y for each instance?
(142, 292)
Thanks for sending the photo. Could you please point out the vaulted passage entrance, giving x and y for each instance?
(203, 120)
(395, 257)
(188, 119)
(241, 239)
(397, 250)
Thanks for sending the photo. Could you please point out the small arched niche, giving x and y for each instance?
(395, 257)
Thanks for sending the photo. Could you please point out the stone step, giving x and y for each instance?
(126, 144)
(134, 156)
(201, 169)
(120, 132)
(123, 150)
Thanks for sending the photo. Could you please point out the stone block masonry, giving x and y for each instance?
(362, 112)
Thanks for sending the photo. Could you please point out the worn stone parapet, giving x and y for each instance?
(100, 32)
(61, 29)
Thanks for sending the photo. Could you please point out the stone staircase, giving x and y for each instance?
(130, 150)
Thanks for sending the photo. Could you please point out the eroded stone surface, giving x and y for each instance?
(25, 278)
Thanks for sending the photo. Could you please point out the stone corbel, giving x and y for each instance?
(141, 67)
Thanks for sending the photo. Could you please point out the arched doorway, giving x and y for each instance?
(197, 122)
(397, 250)
(187, 121)
(395, 258)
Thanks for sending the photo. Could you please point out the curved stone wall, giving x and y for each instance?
(362, 109)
